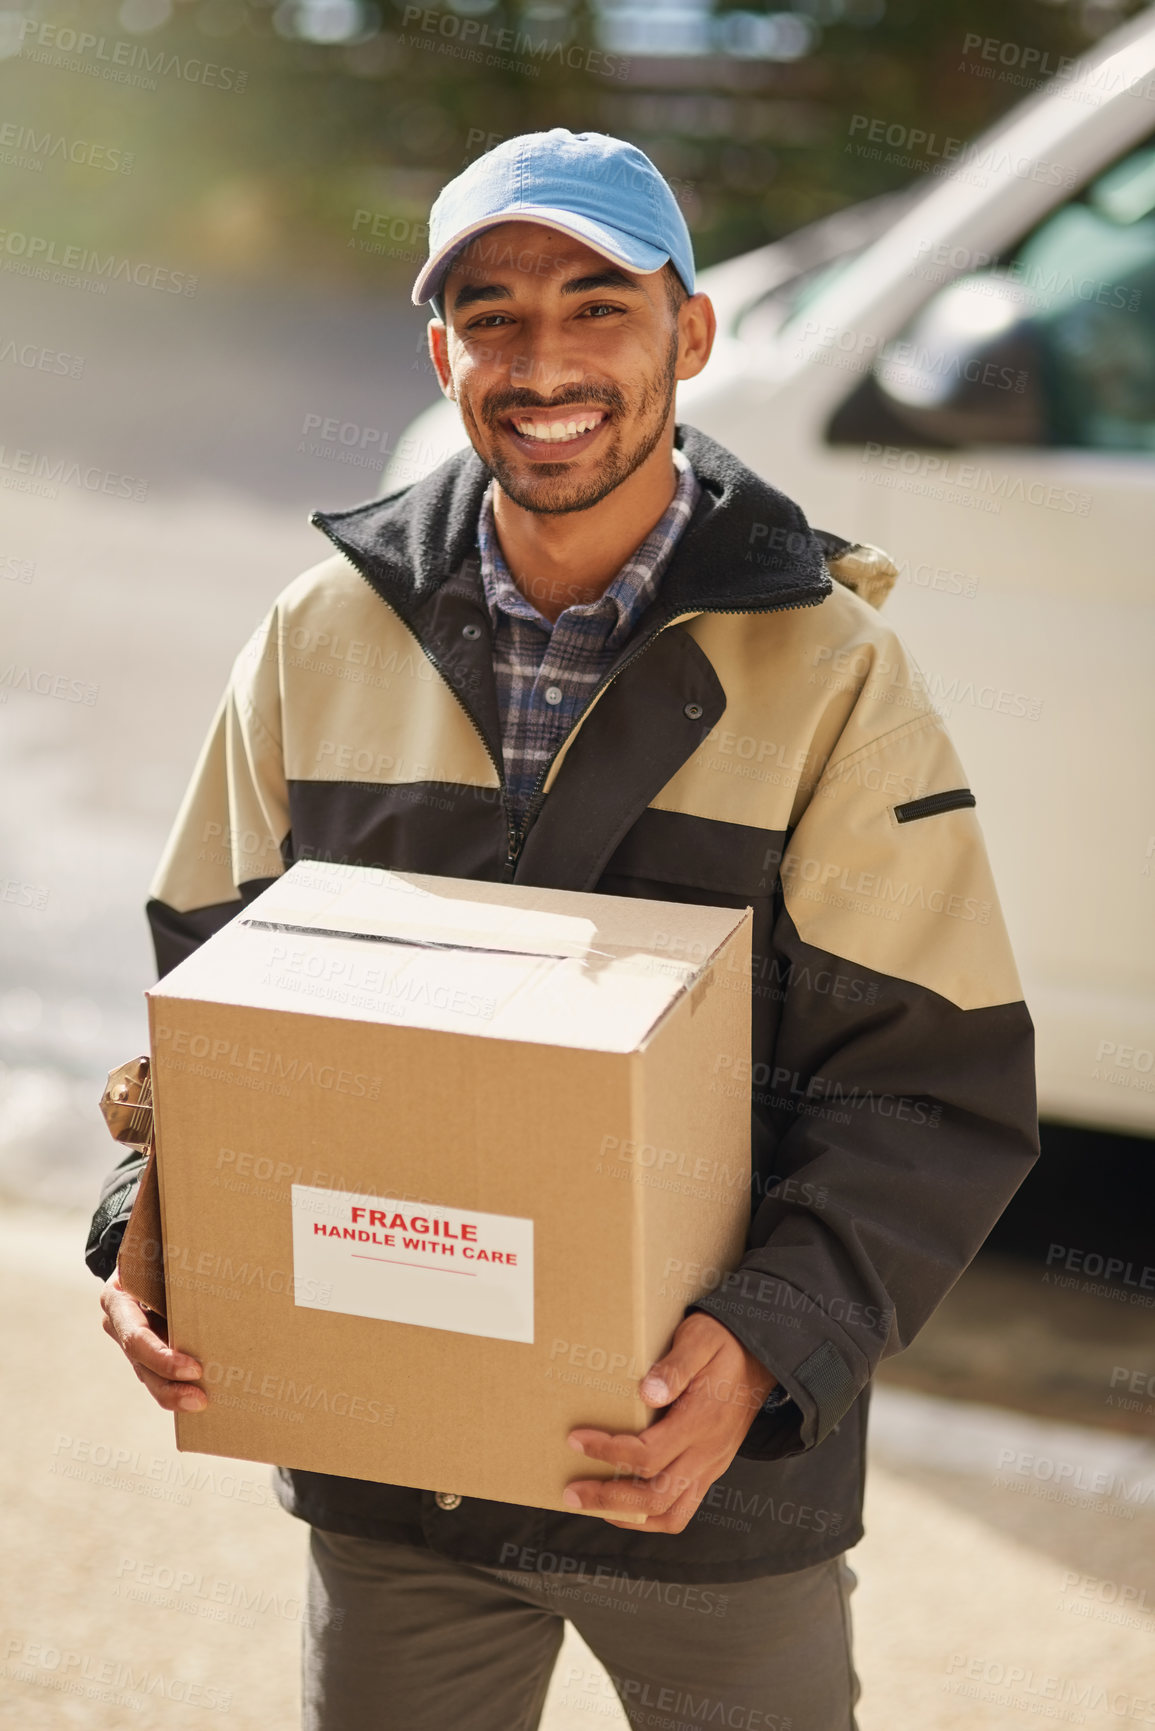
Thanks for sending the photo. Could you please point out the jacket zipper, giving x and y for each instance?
(512, 841)
(515, 838)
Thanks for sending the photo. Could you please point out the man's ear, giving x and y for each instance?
(697, 327)
(439, 355)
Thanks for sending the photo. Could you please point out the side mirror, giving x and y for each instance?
(968, 368)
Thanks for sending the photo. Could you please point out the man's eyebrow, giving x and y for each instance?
(482, 291)
(609, 278)
(602, 279)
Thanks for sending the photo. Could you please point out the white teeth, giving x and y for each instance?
(556, 431)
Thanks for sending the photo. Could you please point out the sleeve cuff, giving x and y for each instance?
(110, 1220)
(818, 1387)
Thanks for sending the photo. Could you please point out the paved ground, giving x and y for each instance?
(116, 1552)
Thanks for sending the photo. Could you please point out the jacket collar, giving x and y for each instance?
(747, 548)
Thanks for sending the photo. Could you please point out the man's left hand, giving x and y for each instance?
(713, 1389)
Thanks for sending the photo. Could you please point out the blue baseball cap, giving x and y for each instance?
(598, 189)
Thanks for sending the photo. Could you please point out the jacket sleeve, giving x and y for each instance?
(228, 843)
(901, 1083)
(230, 837)
(117, 1195)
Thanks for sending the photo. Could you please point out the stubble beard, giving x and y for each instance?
(562, 493)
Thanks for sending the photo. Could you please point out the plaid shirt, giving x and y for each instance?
(547, 671)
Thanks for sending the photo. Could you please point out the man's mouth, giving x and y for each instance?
(560, 434)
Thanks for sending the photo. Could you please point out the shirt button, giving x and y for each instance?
(447, 1499)
(553, 694)
(692, 711)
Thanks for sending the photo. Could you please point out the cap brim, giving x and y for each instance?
(624, 249)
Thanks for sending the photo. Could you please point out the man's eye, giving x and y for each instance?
(487, 320)
(602, 307)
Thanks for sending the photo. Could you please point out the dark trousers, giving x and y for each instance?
(398, 1638)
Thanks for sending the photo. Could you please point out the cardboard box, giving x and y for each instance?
(441, 1163)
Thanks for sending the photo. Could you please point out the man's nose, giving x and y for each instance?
(544, 362)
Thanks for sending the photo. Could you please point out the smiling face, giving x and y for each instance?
(563, 363)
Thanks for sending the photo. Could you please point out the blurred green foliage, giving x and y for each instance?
(324, 164)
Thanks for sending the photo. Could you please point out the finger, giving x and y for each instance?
(128, 1318)
(696, 1342)
(650, 1451)
(677, 1518)
(128, 1323)
(173, 1396)
(630, 1497)
(697, 1417)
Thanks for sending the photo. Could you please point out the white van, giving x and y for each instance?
(964, 374)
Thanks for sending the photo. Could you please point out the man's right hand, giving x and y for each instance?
(165, 1373)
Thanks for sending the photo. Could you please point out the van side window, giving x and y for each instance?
(1051, 345)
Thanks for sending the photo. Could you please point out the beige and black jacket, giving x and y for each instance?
(765, 740)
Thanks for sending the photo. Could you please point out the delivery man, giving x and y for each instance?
(597, 652)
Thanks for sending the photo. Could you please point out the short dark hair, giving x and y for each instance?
(676, 290)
